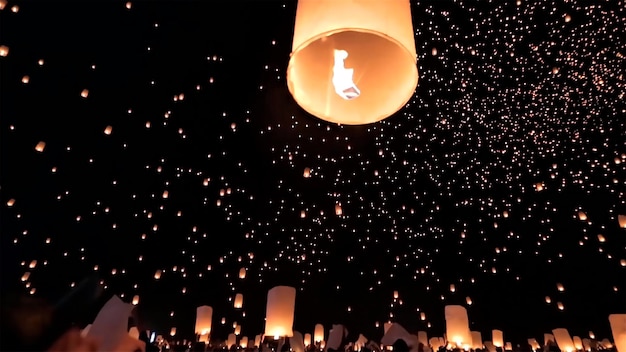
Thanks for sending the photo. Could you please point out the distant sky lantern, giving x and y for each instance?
(477, 340)
(223, 321)
(26, 79)
(618, 328)
(338, 210)
(560, 305)
(307, 172)
(539, 186)
(84, 93)
(497, 338)
(172, 332)
(166, 194)
(157, 274)
(3, 4)
(231, 341)
(452, 288)
(582, 216)
(548, 299)
(318, 333)
(468, 300)
(238, 301)
(237, 330)
(135, 300)
(559, 286)
(4, 50)
(10, 202)
(353, 62)
(204, 316)
(32, 264)
(578, 343)
(279, 313)
(26, 276)
(422, 316)
(601, 238)
(108, 130)
(457, 325)
(40, 146)
(621, 219)
(242, 273)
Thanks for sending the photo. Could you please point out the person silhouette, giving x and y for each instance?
(343, 77)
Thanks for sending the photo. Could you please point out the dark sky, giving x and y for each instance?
(515, 130)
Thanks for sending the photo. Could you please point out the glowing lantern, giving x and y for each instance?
(601, 238)
(621, 219)
(307, 172)
(477, 340)
(533, 344)
(422, 337)
(468, 300)
(238, 300)
(204, 316)
(4, 50)
(434, 343)
(422, 316)
(257, 340)
(32, 264)
(386, 327)
(281, 302)
(548, 299)
(135, 300)
(508, 346)
(3, 4)
(26, 276)
(237, 330)
(592, 335)
(166, 194)
(232, 340)
(223, 321)
(547, 338)
(618, 328)
(560, 287)
(10, 202)
(497, 338)
(172, 332)
(25, 79)
(157, 274)
(578, 343)
(84, 93)
(587, 344)
(452, 288)
(338, 210)
(396, 295)
(307, 340)
(318, 333)
(108, 130)
(242, 273)
(582, 216)
(539, 186)
(457, 325)
(563, 340)
(353, 61)
(560, 305)
(244, 342)
(40, 146)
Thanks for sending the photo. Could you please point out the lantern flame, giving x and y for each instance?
(343, 77)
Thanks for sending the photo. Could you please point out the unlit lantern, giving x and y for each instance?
(353, 61)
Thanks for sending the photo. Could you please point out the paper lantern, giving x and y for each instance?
(172, 332)
(238, 300)
(353, 61)
(10, 202)
(578, 343)
(4, 50)
(534, 344)
(108, 130)
(338, 210)
(422, 337)
(3, 4)
(84, 93)
(307, 340)
(318, 333)
(307, 172)
(621, 219)
(244, 342)
(563, 340)
(468, 300)
(33, 264)
(497, 338)
(452, 288)
(386, 327)
(618, 328)
(242, 273)
(40, 146)
(559, 286)
(281, 301)
(396, 295)
(157, 274)
(489, 346)
(257, 340)
(582, 216)
(232, 340)
(204, 317)
(422, 316)
(434, 343)
(508, 346)
(592, 335)
(135, 300)
(238, 330)
(477, 340)
(26, 276)
(547, 338)
(457, 325)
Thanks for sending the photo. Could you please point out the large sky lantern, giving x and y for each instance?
(204, 316)
(244, 342)
(477, 340)
(497, 338)
(231, 341)
(307, 339)
(318, 333)
(238, 301)
(563, 340)
(353, 62)
(618, 328)
(281, 301)
(457, 325)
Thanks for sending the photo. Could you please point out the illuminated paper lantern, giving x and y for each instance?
(587, 344)
(457, 325)
(242, 273)
(508, 346)
(296, 342)
(386, 327)
(592, 335)
(468, 300)
(84, 93)
(452, 288)
(173, 332)
(33, 264)
(618, 329)
(108, 130)
(422, 316)
(11, 202)
(157, 274)
(281, 301)
(26, 276)
(547, 338)
(338, 210)
(307, 172)
(4, 50)
(244, 342)
(582, 216)
(621, 219)
(396, 295)
(238, 300)
(307, 340)
(477, 340)
(318, 333)
(563, 340)
(606, 344)
(434, 343)
(497, 338)
(204, 318)
(3, 4)
(238, 330)
(40, 146)
(232, 340)
(422, 337)
(533, 344)
(135, 300)
(578, 343)
(353, 61)
(257, 340)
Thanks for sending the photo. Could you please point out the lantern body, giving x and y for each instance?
(457, 325)
(231, 341)
(257, 340)
(204, 316)
(375, 42)
(563, 340)
(242, 273)
(318, 334)
(237, 330)
(578, 343)
(533, 344)
(477, 340)
(618, 328)
(422, 337)
(307, 340)
(281, 301)
(244, 342)
(238, 300)
(497, 338)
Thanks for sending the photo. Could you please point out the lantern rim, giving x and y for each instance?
(412, 77)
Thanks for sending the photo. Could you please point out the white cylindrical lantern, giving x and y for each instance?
(508, 346)
(477, 340)
(281, 301)
(497, 338)
(135, 300)
(237, 330)
(353, 61)
(232, 340)
(238, 300)
(257, 340)
(204, 316)
(563, 340)
(244, 342)
(618, 328)
(578, 343)
(307, 340)
(457, 325)
(434, 343)
(172, 332)
(242, 273)
(533, 344)
(318, 333)
(621, 219)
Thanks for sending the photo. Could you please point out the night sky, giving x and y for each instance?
(173, 144)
